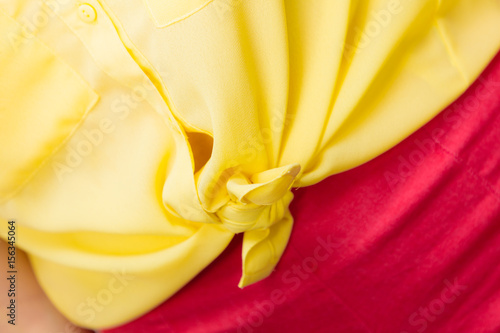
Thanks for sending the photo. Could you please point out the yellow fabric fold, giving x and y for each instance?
(255, 207)
(134, 146)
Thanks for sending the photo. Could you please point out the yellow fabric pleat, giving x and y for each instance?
(133, 147)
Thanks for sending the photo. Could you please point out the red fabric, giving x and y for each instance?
(409, 242)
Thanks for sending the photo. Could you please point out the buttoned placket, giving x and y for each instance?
(92, 24)
(106, 41)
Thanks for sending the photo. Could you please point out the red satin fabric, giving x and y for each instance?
(409, 242)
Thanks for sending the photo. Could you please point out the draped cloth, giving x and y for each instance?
(417, 251)
(272, 96)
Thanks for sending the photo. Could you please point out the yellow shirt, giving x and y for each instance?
(137, 137)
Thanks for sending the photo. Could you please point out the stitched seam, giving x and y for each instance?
(160, 25)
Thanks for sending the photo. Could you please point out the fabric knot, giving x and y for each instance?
(260, 201)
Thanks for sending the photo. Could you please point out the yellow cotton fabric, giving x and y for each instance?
(137, 137)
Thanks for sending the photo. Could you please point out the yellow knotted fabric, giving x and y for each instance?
(255, 206)
(137, 140)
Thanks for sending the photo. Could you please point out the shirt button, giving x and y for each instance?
(87, 13)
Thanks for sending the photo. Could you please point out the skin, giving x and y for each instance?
(34, 312)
